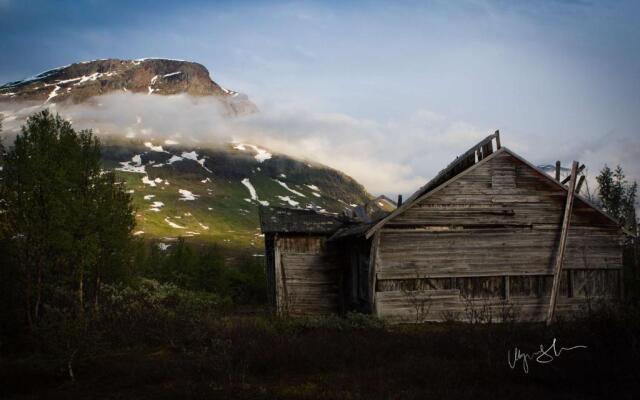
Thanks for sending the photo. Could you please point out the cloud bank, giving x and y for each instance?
(396, 156)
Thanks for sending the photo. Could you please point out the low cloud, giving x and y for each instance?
(394, 157)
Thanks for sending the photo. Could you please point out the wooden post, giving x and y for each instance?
(558, 170)
(497, 134)
(276, 274)
(565, 180)
(557, 273)
(282, 296)
(285, 292)
(375, 241)
(507, 288)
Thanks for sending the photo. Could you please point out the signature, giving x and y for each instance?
(543, 356)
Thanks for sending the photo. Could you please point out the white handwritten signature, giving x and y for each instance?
(543, 356)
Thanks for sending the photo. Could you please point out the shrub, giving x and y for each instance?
(155, 312)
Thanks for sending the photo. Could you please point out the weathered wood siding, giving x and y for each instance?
(308, 276)
(500, 220)
(269, 247)
(356, 287)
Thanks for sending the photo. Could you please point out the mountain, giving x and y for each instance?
(214, 194)
(210, 194)
(81, 81)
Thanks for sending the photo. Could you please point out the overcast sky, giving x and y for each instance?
(387, 91)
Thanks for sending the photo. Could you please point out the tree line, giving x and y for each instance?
(66, 231)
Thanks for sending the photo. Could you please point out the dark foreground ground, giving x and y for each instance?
(352, 358)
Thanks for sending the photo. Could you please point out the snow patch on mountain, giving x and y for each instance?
(173, 224)
(147, 181)
(229, 92)
(252, 192)
(65, 81)
(288, 199)
(194, 156)
(134, 166)
(156, 206)
(154, 148)
(284, 185)
(93, 77)
(53, 93)
(261, 154)
(186, 195)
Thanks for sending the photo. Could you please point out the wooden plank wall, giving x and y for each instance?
(356, 283)
(310, 278)
(500, 220)
(270, 269)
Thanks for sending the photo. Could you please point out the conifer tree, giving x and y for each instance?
(617, 196)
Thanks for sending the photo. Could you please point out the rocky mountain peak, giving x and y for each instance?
(152, 76)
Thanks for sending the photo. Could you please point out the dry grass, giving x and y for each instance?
(353, 358)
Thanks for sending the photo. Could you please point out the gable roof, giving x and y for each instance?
(437, 184)
(577, 196)
(474, 155)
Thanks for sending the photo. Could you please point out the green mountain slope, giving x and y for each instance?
(210, 195)
(207, 194)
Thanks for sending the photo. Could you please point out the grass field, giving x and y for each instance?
(258, 357)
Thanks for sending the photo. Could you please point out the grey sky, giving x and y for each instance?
(406, 85)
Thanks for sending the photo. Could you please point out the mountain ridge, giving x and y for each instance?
(179, 186)
(81, 81)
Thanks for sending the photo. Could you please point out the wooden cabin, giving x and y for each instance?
(303, 272)
(479, 242)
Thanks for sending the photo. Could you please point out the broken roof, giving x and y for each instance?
(290, 220)
(287, 220)
(461, 166)
(354, 230)
(373, 209)
(471, 157)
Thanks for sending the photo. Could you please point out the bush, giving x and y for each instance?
(206, 270)
(350, 321)
(154, 312)
(147, 313)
